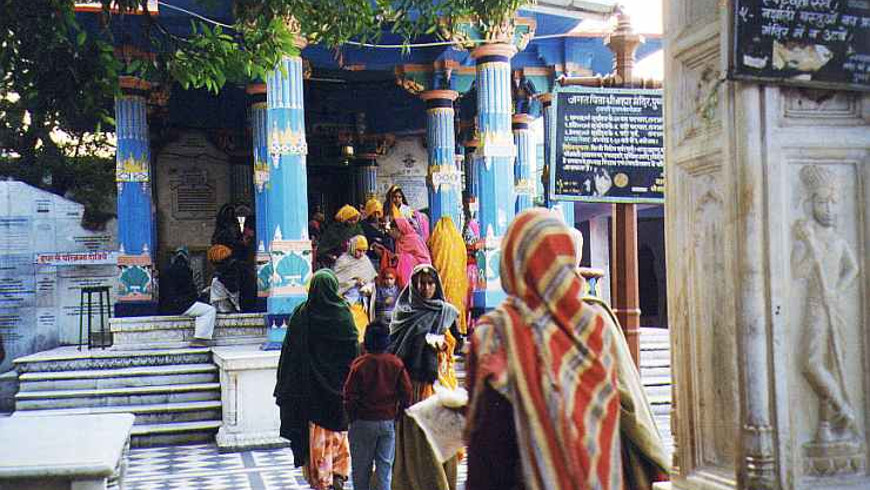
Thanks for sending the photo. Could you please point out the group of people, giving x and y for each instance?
(555, 400)
(373, 252)
(339, 409)
(233, 286)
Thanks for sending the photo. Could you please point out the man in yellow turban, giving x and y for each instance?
(374, 210)
(347, 214)
(334, 240)
(375, 232)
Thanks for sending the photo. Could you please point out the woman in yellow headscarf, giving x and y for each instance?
(356, 277)
(450, 259)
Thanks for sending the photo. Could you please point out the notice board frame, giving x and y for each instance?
(556, 152)
(734, 72)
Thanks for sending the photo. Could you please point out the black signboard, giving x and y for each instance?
(607, 145)
(814, 43)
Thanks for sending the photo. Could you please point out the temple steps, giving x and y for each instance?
(655, 374)
(157, 413)
(117, 378)
(135, 395)
(174, 393)
(147, 435)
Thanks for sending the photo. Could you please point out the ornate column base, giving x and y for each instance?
(824, 459)
(488, 294)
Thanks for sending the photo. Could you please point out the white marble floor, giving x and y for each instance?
(203, 467)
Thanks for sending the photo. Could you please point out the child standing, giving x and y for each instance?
(377, 388)
(386, 294)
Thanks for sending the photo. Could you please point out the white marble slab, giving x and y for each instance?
(72, 448)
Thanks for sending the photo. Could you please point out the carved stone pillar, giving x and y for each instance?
(767, 233)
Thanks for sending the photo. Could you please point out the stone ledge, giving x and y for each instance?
(228, 442)
(171, 332)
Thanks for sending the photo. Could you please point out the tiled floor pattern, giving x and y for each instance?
(202, 467)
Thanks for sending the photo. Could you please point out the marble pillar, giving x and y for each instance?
(262, 186)
(445, 192)
(495, 164)
(523, 186)
(565, 207)
(290, 247)
(136, 223)
(767, 238)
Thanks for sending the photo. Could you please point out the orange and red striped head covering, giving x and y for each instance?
(553, 356)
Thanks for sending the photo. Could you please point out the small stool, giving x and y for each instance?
(104, 312)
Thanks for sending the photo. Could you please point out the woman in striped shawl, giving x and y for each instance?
(543, 374)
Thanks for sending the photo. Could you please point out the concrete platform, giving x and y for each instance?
(250, 417)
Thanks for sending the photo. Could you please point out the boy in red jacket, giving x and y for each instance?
(377, 388)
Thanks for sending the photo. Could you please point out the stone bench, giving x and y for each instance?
(72, 452)
(173, 332)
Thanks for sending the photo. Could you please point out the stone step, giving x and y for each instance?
(69, 358)
(655, 345)
(118, 378)
(658, 391)
(648, 371)
(647, 363)
(648, 332)
(172, 332)
(655, 355)
(145, 414)
(651, 381)
(139, 395)
(149, 435)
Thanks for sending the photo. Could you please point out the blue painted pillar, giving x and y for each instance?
(368, 178)
(472, 178)
(495, 164)
(137, 293)
(290, 247)
(566, 207)
(262, 186)
(523, 185)
(445, 180)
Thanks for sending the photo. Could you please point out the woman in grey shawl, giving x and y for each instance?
(418, 336)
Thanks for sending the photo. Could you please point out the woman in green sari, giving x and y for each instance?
(320, 344)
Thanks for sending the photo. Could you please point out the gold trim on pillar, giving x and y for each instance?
(496, 49)
(439, 94)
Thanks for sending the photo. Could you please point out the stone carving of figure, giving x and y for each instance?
(823, 258)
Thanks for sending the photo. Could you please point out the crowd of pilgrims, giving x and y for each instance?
(554, 400)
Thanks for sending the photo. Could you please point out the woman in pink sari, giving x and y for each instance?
(410, 248)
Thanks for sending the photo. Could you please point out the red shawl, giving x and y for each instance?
(554, 358)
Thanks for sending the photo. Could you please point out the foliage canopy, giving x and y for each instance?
(56, 74)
